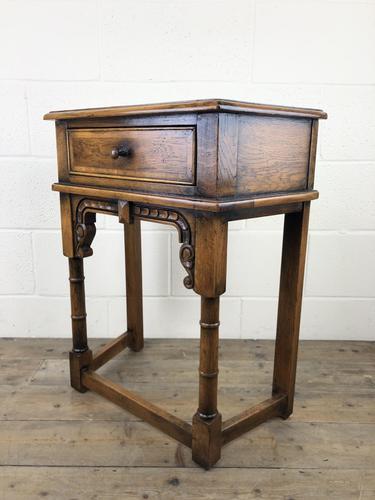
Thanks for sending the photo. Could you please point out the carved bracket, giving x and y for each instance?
(85, 222)
(85, 227)
(184, 233)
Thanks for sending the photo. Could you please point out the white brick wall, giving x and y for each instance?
(64, 54)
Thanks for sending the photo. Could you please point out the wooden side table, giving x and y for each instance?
(195, 165)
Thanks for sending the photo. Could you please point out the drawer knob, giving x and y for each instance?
(120, 151)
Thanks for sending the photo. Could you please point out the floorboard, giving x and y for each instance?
(59, 444)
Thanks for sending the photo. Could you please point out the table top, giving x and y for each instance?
(200, 105)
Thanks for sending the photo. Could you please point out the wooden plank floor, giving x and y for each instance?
(59, 444)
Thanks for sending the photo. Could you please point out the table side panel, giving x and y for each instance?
(273, 154)
(262, 154)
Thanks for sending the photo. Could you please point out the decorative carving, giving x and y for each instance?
(85, 227)
(187, 260)
(166, 216)
(96, 206)
(85, 222)
(85, 233)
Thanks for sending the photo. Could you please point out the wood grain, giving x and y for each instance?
(55, 402)
(228, 154)
(134, 483)
(252, 417)
(311, 374)
(273, 154)
(133, 269)
(16, 371)
(103, 443)
(336, 351)
(109, 350)
(290, 303)
(128, 400)
(57, 443)
(156, 154)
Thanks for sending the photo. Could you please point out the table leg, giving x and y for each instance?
(210, 278)
(80, 356)
(207, 420)
(133, 265)
(290, 301)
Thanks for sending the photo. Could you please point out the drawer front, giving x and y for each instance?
(154, 154)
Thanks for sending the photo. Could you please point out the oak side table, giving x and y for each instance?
(195, 165)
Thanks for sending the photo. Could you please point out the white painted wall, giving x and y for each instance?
(58, 54)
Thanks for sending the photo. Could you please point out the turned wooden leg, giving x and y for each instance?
(80, 356)
(290, 301)
(133, 265)
(210, 277)
(207, 420)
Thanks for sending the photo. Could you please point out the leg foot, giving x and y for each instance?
(78, 361)
(206, 444)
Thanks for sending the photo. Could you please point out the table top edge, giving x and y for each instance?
(201, 204)
(197, 106)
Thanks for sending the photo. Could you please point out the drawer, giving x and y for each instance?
(151, 154)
